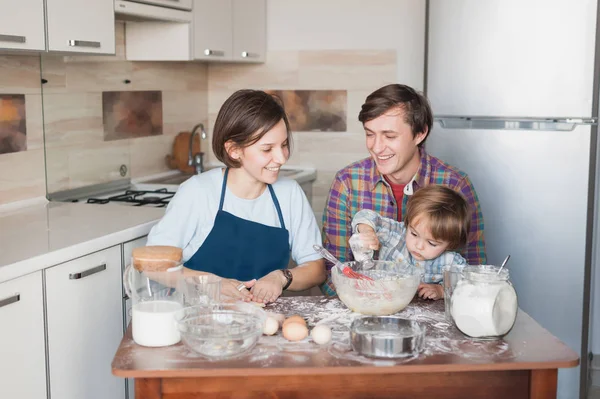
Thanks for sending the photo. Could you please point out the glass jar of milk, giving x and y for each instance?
(484, 302)
(151, 281)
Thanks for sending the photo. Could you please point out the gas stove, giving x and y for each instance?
(158, 198)
(125, 193)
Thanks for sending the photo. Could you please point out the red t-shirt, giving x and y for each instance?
(398, 190)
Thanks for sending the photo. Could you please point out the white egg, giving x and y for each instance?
(271, 326)
(280, 317)
(321, 334)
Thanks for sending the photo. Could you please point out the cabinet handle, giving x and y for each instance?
(89, 272)
(10, 299)
(246, 54)
(216, 53)
(83, 43)
(12, 38)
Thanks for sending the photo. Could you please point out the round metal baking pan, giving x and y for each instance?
(386, 336)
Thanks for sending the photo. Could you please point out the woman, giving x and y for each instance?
(241, 222)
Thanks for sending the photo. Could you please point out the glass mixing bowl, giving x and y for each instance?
(393, 287)
(221, 331)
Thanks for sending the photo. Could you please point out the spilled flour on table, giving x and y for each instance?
(441, 336)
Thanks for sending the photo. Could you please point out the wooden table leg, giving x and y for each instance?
(542, 384)
(148, 388)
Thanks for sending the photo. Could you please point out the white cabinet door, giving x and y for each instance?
(212, 30)
(22, 348)
(81, 26)
(22, 25)
(249, 30)
(85, 326)
(127, 251)
(511, 58)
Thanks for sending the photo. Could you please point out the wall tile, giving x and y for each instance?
(73, 118)
(175, 76)
(20, 74)
(148, 155)
(22, 175)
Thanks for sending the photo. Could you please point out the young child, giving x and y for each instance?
(436, 224)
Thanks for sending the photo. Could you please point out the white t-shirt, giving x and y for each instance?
(191, 214)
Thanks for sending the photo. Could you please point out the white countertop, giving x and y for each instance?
(43, 235)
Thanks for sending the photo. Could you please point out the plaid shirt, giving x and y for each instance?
(392, 237)
(361, 186)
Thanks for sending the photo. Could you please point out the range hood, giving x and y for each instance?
(150, 10)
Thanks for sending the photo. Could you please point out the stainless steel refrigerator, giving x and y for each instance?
(514, 88)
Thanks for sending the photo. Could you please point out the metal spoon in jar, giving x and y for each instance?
(503, 263)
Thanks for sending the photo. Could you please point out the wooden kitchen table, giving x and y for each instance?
(522, 365)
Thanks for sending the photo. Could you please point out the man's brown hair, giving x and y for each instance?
(417, 111)
(244, 118)
(444, 210)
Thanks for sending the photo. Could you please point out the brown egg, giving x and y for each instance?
(295, 318)
(293, 331)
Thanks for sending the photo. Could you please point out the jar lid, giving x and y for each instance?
(156, 258)
(485, 273)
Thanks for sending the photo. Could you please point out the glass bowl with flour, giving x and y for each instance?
(393, 287)
(484, 302)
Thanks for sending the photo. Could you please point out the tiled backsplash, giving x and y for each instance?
(22, 173)
(77, 154)
(76, 150)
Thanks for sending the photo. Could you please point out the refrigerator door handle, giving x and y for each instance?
(499, 123)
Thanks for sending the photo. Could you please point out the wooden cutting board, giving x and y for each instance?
(179, 158)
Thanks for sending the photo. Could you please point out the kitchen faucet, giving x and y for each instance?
(197, 159)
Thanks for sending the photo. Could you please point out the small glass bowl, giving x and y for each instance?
(221, 331)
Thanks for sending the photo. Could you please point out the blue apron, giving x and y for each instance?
(241, 249)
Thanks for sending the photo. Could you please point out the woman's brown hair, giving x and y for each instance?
(244, 118)
(445, 211)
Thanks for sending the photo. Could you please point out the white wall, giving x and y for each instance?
(353, 25)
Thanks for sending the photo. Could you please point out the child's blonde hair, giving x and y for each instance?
(444, 210)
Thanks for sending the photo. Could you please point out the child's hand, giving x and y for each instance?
(368, 238)
(430, 291)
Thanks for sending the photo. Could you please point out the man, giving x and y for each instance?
(397, 121)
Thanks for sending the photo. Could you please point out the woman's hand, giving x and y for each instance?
(230, 287)
(430, 291)
(268, 288)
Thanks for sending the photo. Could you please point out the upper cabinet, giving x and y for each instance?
(213, 29)
(81, 26)
(22, 25)
(249, 30)
(230, 30)
(219, 30)
(72, 26)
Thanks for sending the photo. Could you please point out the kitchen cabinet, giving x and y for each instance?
(219, 30)
(22, 25)
(213, 29)
(127, 251)
(71, 26)
(23, 360)
(85, 326)
(81, 26)
(230, 30)
(249, 30)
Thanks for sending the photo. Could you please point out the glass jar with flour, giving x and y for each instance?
(151, 281)
(484, 302)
